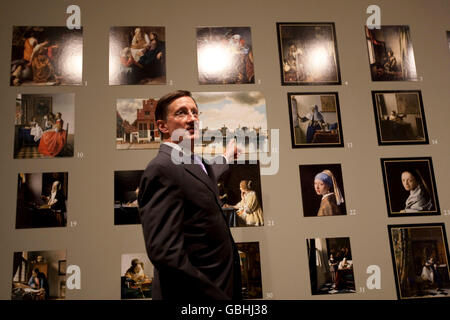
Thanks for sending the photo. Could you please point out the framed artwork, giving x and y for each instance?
(240, 195)
(391, 55)
(126, 189)
(322, 190)
(334, 274)
(137, 55)
(250, 259)
(42, 200)
(136, 124)
(39, 275)
(399, 117)
(136, 277)
(239, 114)
(448, 39)
(420, 258)
(308, 53)
(315, 120)
(410, 187)
(44, 126)
(62, 267)
(46, 56)
(225, 55)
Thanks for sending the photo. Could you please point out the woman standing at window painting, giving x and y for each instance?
(315, 123)
(326, 186)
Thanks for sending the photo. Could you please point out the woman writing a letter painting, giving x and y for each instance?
(249, 209)
(326, 186)
(53, 141)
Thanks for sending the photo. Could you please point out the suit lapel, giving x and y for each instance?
(196, 170)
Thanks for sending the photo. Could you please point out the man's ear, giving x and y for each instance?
(162, 126)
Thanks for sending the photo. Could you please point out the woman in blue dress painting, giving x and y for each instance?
(315, 119)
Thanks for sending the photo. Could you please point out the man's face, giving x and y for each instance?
(182, 115)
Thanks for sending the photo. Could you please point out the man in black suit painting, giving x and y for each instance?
(186, 235)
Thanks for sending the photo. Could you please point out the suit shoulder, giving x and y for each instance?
(161, 165)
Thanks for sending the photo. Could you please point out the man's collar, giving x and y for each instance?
(185, 151)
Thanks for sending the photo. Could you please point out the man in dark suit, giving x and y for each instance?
(186, 235)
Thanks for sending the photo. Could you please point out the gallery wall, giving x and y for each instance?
(97, 246)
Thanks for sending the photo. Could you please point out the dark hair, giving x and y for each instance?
(36, 270)
(155, 34)
(166, 100)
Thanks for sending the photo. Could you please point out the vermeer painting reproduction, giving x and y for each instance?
(44, 126)
(315, 120)
(42, 200)
(420, 258)
(137, 55)
(250, 262)
(330, 266)
(448, 39)
(410, 187)
(225, 55)
(39, 275)
(399, 117)
(240, 195)
(136, 124)
(126, 189)
(391, 55)
(322, 190)
(225, 115)
(308, 54)
(46, 56)
(136, 277)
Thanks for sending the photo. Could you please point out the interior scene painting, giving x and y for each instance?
(42, 200)
(136, 276)
(315, 120)
(126, 189)
(391, 55)
(250, 269)
(330, 266)
(322, 190)
(240, 195)
(44, 126)
(400, 118)
(39, 275)
(308, 54)
(225, 55)
(136, 124)
(420, 257)
(240, 115)
(46, 56)
(410, 187)
(448, 39)
(137, 55)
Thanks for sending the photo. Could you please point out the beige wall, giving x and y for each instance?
(96, 245)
